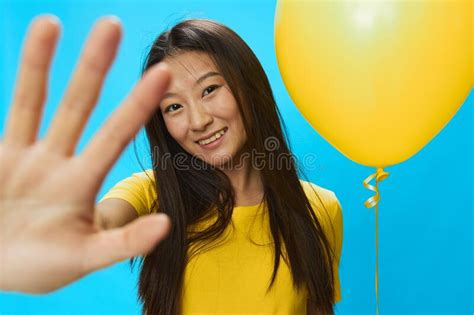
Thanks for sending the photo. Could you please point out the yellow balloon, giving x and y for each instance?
(377, 79)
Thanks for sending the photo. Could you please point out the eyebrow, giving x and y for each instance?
(202, 78)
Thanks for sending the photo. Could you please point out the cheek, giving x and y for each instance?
(232, 115)
(236, 121)
(227, 108)
(177, 128)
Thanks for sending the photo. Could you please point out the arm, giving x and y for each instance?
(48, 193)
(114, 213)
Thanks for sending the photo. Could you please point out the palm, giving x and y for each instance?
(47, 194)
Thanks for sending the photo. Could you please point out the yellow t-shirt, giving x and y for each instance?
(234, 276)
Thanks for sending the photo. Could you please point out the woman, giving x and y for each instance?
(48, 193)
(247, 235)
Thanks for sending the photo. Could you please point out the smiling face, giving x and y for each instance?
(200, 111)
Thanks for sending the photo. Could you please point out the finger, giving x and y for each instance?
(134, 239)
(104, 149)
(84, 89)
(30, 93)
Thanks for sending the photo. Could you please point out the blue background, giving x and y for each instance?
(425, 215)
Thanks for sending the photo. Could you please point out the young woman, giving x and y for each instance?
(247, 235)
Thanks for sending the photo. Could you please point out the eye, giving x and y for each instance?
(172, 108)
(209, 89)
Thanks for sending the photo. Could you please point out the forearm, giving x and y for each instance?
(99, 221)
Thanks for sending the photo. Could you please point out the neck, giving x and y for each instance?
(247, 185)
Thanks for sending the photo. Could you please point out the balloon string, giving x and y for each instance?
(380, 175)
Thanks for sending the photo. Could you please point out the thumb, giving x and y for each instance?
(137, 238)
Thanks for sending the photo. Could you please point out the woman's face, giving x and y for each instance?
(200, 111)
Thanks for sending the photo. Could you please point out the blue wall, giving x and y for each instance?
(427, 203)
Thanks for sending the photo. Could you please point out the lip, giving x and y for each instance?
(210, 135)
(214, 144)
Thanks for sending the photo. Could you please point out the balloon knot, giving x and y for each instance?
(379, 176)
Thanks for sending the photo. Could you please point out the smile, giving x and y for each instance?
(213, 140)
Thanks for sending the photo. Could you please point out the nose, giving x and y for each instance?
(199, 118)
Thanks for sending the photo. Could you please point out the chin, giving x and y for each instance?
(218, 161)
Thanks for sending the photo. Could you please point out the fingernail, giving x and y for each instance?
(49, 17)
(162, 66)
(163, 218)
(114, 19)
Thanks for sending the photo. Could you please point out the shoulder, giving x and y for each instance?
(147, 176)
(318, 194)
(137, 189)
(323, 200)
(140, 180)
(328, 210)
(145, 182)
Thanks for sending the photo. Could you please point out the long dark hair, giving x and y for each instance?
(188, 193)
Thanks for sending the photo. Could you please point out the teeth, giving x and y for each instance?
(213, 138)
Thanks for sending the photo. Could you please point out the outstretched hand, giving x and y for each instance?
(48, 237)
